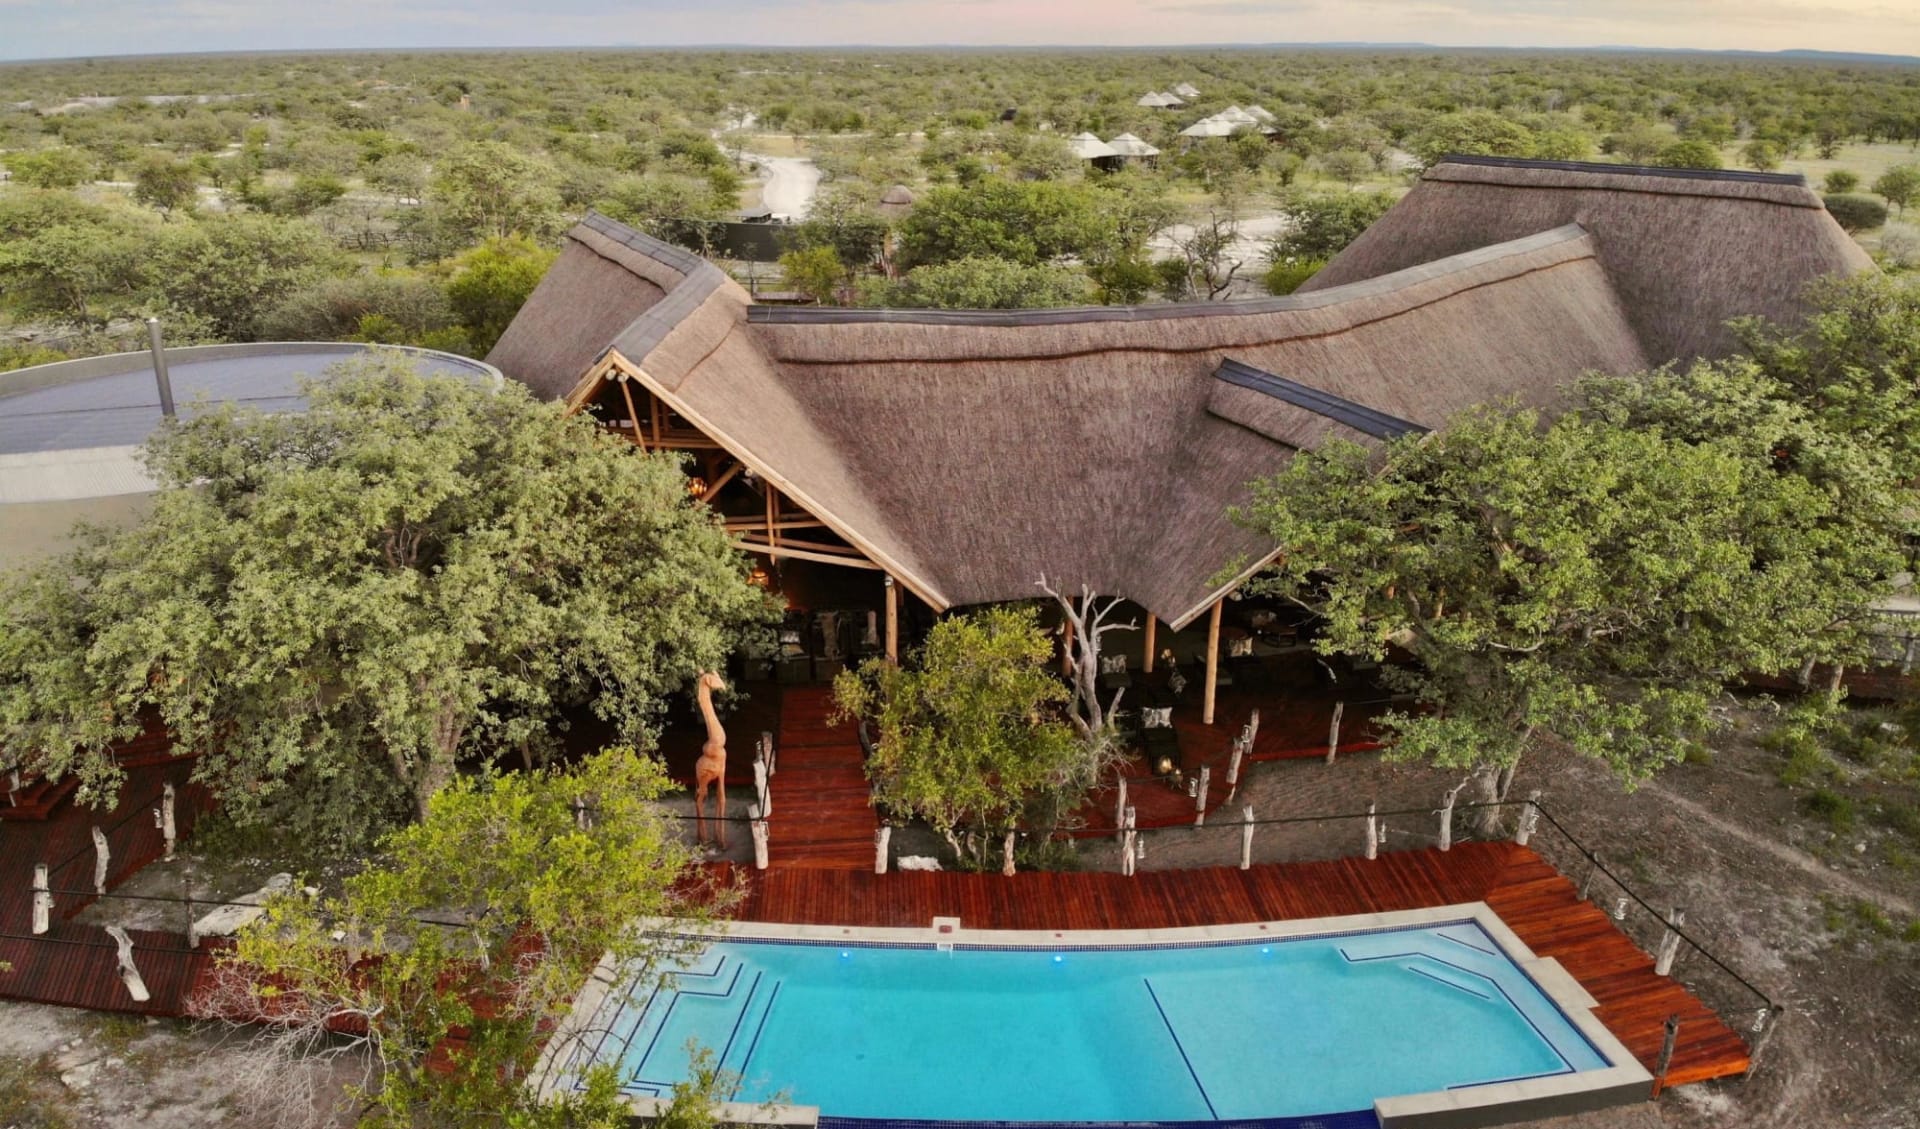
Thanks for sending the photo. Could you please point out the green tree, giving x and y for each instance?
(334, 308)
(76, 272)
(1689, 155)
(1856, 213)
(230, 269)
(1899, 185)
(981, 282)
(1320, 227)
(1598, 578)
(1026, 222)
(678, 209)
(1839, 182)
(1348, 166)
(1287, 275)
(816, 272)
(1761, 155)
(56, 167)
(485, 918)
(309, 192)
(344, 605)
(492, 190)
(165, 185)
(490, 283)
(967, 732)
(1472, 131)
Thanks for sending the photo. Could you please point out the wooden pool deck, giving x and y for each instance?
(1540, 905)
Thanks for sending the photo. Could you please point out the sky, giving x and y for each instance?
(60, 28)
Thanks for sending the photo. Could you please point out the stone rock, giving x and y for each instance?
(82, 1076)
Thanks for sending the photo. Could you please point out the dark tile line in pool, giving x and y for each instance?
(755, 1044)
(1456, 987)
(1515, 1078)
(1175, 1036)
(1444, 936)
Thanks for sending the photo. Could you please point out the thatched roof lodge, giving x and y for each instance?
(964, 453)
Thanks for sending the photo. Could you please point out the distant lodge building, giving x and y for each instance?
(959, 455)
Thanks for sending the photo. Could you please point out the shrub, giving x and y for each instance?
(1830, 807)
(1857, 213)
(1288, 275)
(1839, 182)
(1689, 155)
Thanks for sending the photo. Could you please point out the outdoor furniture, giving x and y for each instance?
(1113, 673)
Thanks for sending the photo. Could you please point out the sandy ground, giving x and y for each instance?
(788, 184)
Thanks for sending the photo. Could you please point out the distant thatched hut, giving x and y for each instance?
(1131, 148)
(896, 201)
(1087, 147)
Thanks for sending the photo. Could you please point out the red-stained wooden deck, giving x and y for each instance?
(823, 816)
(1534, 899)
(75, 964)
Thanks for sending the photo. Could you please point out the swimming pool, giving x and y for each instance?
(1201, 1028)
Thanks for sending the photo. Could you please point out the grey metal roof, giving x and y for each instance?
(113, 401)
(1367, 421)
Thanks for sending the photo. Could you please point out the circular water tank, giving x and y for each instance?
(70, 432)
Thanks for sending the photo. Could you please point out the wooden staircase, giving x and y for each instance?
(822, 815)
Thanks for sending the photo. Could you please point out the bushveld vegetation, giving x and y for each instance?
(413, 197)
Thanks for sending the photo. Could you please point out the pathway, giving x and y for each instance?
(822, 817)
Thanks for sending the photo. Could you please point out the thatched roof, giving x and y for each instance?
(966, 452)
(1087, 147)
(1187, 90)
(1127, 145)
(1686, 249)
(605, 278)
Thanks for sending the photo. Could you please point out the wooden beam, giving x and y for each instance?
(653, 406)
(713, 489)
(816, 546)
(773, 512)
(759, 524)
(633, 413)
(801, 554)
(1147, 666)
(893, 622)
(1213, 660)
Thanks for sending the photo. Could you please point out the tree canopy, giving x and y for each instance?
(340, 607)
(1600, 576)
(968, 731)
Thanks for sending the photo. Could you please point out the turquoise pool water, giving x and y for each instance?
(1204, 1032)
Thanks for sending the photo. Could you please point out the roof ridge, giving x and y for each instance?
(1739, 176)
(1072, 315)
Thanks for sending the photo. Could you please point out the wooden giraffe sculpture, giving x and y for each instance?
(711, 768)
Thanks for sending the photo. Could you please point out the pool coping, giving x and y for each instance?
(1624, 1080)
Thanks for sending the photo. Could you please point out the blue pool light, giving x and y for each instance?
(1057, 958)
(844, 954)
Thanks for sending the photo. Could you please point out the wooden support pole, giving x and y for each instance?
(758, 826)
(129, 974)
(1246, 837)
(168, 829)
(1666, 1054)
(1446, 822)
(1066, 647)
(1200, 797)
(1006, 855)
(766, 753)
(633, 413)
(1373, 831)
(1529, 819)
(1593, 871)
(653, 408)
(1233, 764)
(42, 899)
(893, 621)
(1128, 836)
(760, 788)
(881, 837)
(1120, 811)
(1669, 943)
(1213, 661)
(101, 855)
(1333, 730)
(1146, 666)
(773, 514)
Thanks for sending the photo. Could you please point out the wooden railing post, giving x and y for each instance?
(881, 837)
(1669, 943)
(129, 974)
(1120, 812)
(101, 855)
(167, 826)
(1446, 822)
(1666, 1054)
(758, 826)
(1128, 835)
(42, 899)
(1529, 819)
(1333, 731)
(1200, 798)
(1246, 837)
(1373, 831)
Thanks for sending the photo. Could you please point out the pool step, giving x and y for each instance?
(1441, 972)
(726, 1003)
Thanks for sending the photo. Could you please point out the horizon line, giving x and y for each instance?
(1810, 54)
